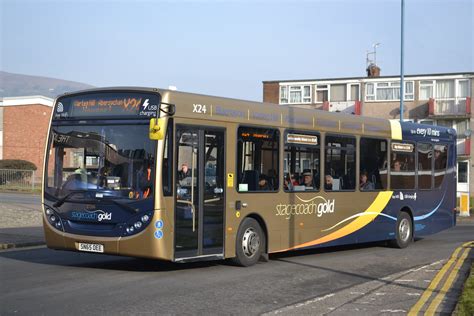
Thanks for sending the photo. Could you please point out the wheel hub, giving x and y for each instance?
(404, 230)
(250, 242)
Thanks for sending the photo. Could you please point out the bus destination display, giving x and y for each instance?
(108, 105)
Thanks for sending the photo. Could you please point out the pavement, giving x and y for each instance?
(20, 220)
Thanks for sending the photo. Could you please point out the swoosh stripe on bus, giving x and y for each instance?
(422, 217)
(357, 215)
(372, 211)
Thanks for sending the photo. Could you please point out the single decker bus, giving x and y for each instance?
(177, 176)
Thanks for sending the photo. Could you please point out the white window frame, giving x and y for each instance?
(328, 89)
(388, 84)
(349, 89)
(304, 99)
(432, 85)
(423, 121)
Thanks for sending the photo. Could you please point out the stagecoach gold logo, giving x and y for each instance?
(317, 206)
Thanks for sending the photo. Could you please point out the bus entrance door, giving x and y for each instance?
(200, 192)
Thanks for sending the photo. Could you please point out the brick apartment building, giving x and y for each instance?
(438, 99)
(23, 127)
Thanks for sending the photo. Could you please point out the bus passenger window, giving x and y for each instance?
(425, 158)
(257, 159)
(440, 162)
(402, 166)
(373, 164)
(340, 163)
(301, 163)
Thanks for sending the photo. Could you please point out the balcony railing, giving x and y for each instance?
(463, 147)
(350, 107)
(450, 107)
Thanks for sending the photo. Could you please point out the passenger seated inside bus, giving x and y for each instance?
(307, 180)
(328, 181)
(365, 184)
(263, 184)
(290, 182)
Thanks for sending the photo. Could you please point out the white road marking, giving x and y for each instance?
(393, 311)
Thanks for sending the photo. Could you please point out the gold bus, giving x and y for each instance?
(179, 176)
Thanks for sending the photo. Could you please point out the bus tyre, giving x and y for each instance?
(404, 231)
(250, 243)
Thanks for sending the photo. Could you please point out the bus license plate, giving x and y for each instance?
(91, 247)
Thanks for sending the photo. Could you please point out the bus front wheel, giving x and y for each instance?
(404, 231)
(250, 243)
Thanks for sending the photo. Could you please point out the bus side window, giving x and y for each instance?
(301, 162)
(373, 164)
(340, 163)
(257, 159)
(440, 162)
(402, 166)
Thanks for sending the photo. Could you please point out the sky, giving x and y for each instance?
(227, 48)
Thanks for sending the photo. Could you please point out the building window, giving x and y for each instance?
(257, 159)
(340, 163)
(322, 93)
(354, 92)
(373, 164)
(338, 92)
(426, 89)
(444, 89)
(301, 162)
(463, 88)
(388, 91)
(462, 171)
(297, 94)
(283, 94)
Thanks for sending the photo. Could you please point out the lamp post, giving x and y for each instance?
(402, 81)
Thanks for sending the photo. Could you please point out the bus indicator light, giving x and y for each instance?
(159, 224)
(158, 234)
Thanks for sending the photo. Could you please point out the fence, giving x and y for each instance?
(11, 179)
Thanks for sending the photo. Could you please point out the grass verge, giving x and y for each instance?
(466, 300)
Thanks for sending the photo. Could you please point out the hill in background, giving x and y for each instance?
(14, 85)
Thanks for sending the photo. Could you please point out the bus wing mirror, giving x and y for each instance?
(157, 130)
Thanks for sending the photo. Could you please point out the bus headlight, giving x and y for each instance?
(54, 219)
(137, 224)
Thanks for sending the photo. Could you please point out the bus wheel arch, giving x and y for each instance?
(251, 241)
(404, 228)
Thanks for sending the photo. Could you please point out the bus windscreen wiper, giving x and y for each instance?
(66, 197)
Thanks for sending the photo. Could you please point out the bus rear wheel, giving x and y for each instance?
(404, 231)
(250, 243)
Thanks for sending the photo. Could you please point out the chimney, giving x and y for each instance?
(373, 70)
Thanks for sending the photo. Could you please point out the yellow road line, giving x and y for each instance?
(434, 283)
(448, 283)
